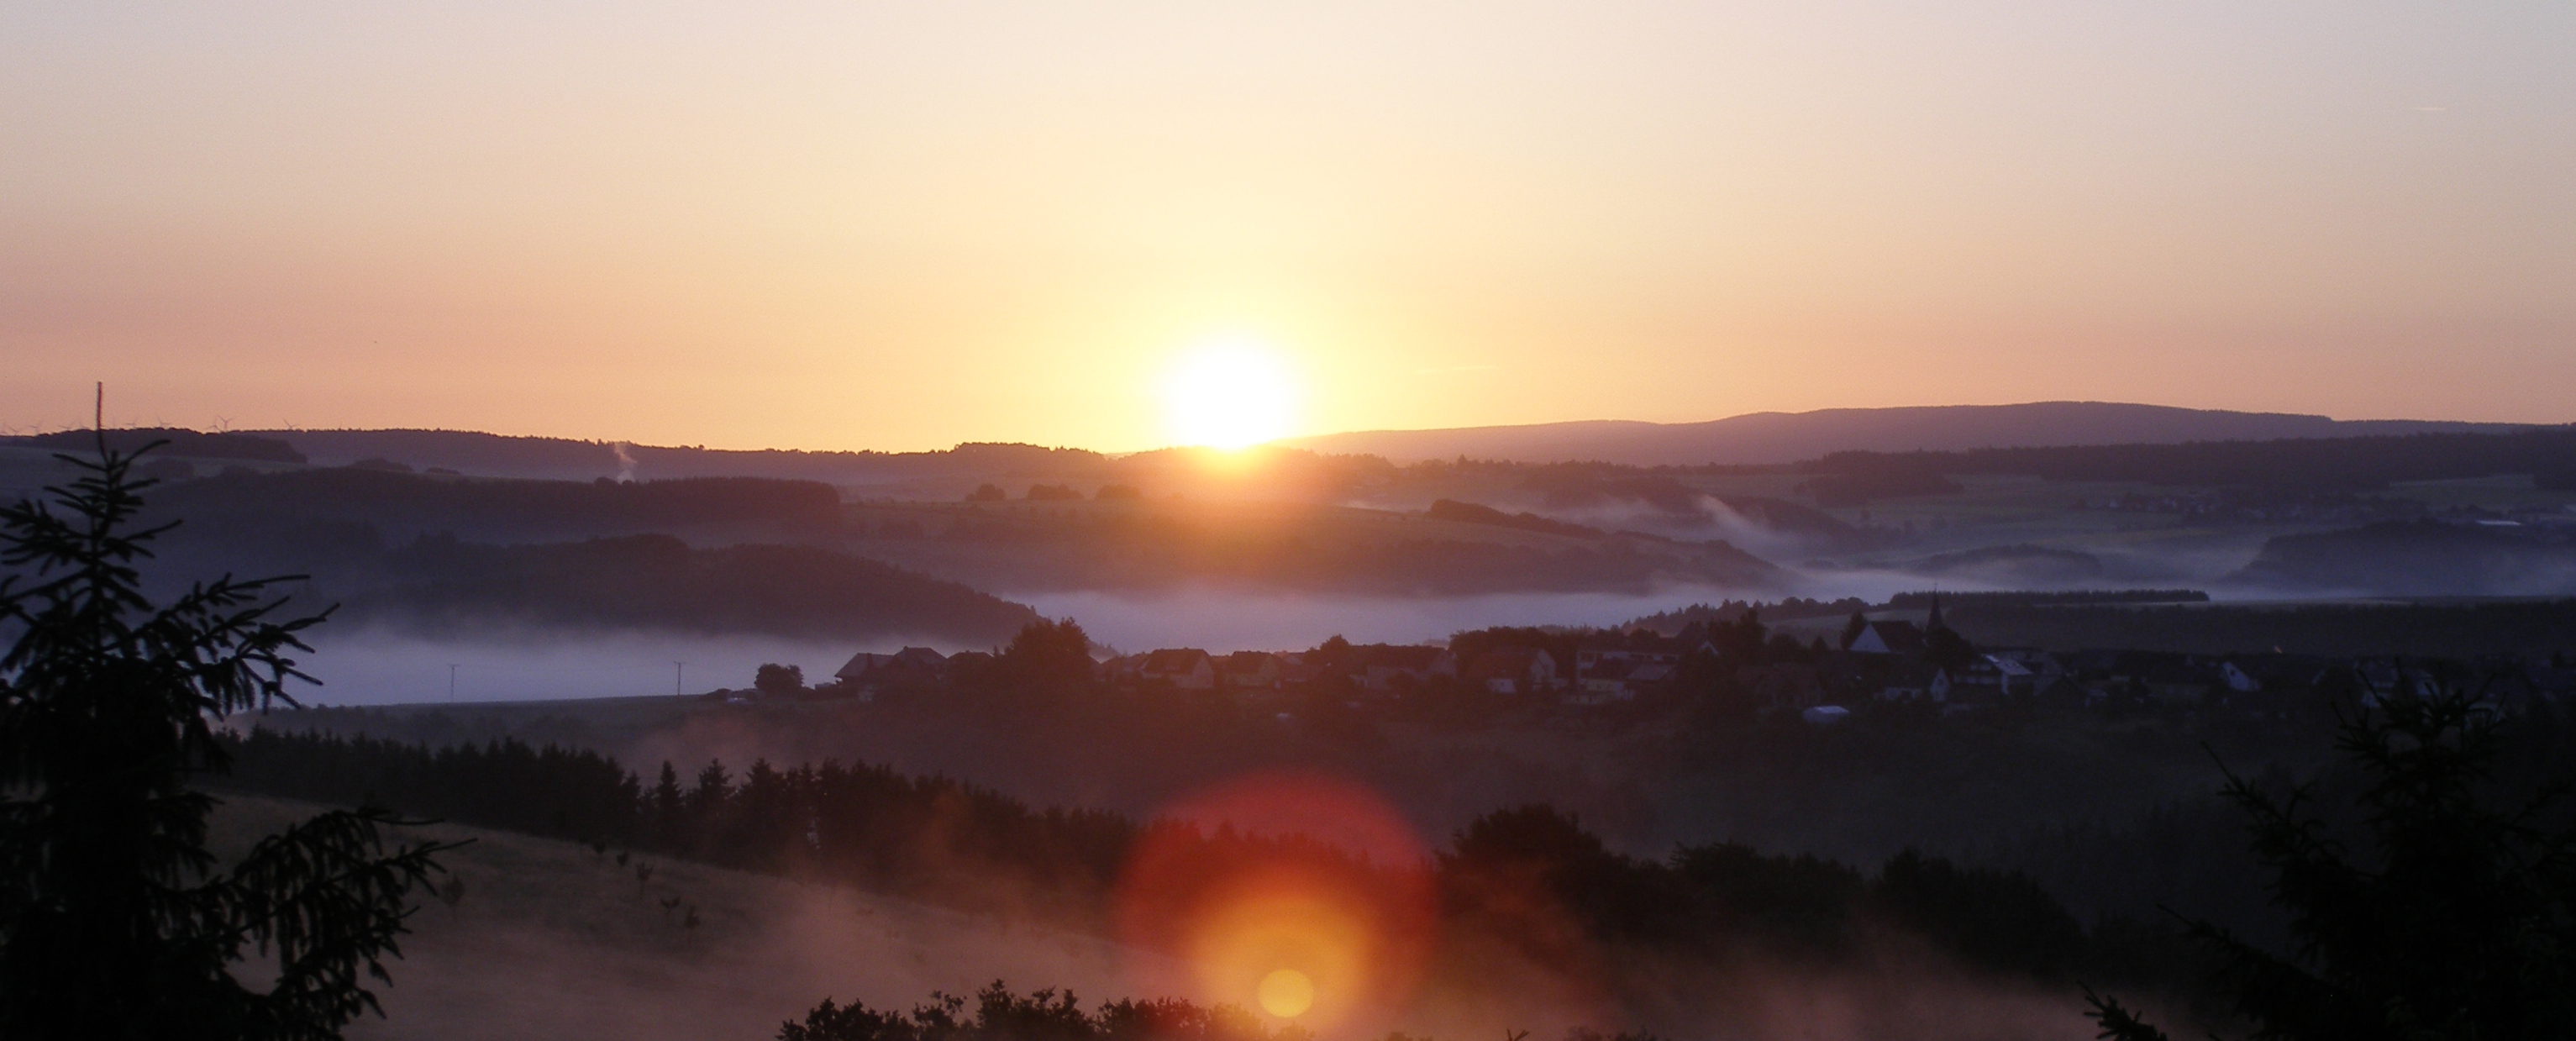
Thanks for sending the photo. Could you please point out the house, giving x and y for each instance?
(1599, 685)
(1825, 715)
(1296, 671)
(911, 668)
(1586, 661)
(1911, 682)
(1979, 682)
(1648, 675)
(1514, 670)
(1250, 670)
(1185, 668)
(2061, 691)
(2025, 670)
(1618, 680)
(1381, 666)
(1605, 675)
(1887, 636)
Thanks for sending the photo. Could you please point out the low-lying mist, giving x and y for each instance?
(380, 666)
(1231, 619)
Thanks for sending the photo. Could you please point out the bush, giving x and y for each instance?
(1046, 1015)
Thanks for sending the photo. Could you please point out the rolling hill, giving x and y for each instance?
(1782, 437)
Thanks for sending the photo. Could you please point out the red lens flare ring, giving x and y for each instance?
(1300, 896)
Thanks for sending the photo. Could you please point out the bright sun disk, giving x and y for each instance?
(1229, 394)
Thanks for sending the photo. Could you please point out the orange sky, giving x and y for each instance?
(903, 225)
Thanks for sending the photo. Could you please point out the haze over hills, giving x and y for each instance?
(1753, 439)
(1782, 437)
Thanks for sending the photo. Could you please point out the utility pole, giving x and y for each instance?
(676, 668)
(451, 681)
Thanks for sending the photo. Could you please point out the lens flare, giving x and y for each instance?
(1311, 899)
(1286, 993)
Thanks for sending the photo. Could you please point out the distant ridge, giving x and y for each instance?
(1783, 437)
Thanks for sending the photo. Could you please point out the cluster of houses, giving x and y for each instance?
(1597, 676)
(1383, 668)
(1879, 660)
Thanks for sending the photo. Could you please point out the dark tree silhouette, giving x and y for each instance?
(2458, 922)
(1049, 656)
(778, 681)
(1044, 1015)
(114, 922)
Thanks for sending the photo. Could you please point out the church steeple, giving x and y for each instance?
(1934, 624)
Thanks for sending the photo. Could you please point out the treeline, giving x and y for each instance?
(1917, 601)
(404, 504)
(2459, 630)
(2312, 464)
(1475, 513)
(1515, 877)
(1676, 620)
(1001, 1014)
(869, 826)
(1122, 550)
(661, 582)
(438, 581)
(176, 442)
(500, 455)
(2419, 558)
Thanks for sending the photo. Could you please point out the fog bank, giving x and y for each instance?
(1222, 619)
(381, 667)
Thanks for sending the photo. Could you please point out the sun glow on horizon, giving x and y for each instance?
(1231, 393)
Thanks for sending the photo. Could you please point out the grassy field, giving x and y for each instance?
(552, 940)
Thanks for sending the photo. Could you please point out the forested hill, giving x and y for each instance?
(1784, 437)
(2419, 558)
(950, 842)
(498, 455)
(659, 582)
(173, 442)
(400, 505)
(2342, 463)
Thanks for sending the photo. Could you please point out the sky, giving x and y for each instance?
(906, 225)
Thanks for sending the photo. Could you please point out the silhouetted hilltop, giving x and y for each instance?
(179, 443)
(1781, 437)
(400, 505)
(2350, 463)
(498, 455)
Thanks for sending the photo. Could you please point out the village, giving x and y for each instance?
(1874, 664)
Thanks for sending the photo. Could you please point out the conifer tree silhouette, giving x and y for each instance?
(2457, 922)
(114, 920)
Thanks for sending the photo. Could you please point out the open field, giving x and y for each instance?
(554, 941)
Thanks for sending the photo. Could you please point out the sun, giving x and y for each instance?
(1231, 393)
(1286, 993)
